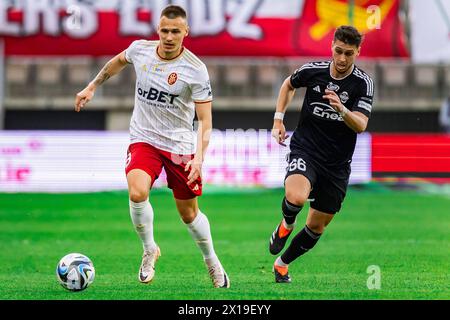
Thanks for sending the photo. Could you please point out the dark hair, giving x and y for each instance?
(173, 11)
(348, 35)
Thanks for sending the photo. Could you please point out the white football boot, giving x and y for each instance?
(218, 275)
(147, 269)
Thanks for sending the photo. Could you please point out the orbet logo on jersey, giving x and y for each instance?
(155, 94)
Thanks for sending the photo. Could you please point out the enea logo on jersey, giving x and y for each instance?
(173, 77)
(325, 111)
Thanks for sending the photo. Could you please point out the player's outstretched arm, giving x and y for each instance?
(204, 116)
(285, 96)
(112, 67)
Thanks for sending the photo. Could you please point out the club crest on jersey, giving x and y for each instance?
(344, 97)
(173, 77)
(333, 87)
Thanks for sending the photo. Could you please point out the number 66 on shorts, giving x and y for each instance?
(297, 164)
(300, 163)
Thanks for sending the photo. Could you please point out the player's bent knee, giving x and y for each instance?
(296, 198)
(187, 215)
(188, 218)
(137, 195)
(187, 209)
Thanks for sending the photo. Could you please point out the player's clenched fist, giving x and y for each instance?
(83, 97)
(335, 102)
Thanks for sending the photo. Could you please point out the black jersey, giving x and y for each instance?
(321, 132)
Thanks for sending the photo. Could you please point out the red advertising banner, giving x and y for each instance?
(416, 155)
(283, 28)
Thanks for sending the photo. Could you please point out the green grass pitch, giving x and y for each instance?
(405, 234)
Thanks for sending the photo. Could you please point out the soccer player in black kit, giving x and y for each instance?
(336, 107)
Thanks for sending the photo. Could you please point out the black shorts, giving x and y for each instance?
(329, 186)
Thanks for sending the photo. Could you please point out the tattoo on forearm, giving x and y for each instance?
(103, 75)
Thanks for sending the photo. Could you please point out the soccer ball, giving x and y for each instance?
(75, 272)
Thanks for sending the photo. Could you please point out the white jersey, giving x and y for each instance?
(164, 107)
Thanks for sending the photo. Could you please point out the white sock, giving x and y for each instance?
(280, 262)
(201, 233)
(289, 226)
(142, 216)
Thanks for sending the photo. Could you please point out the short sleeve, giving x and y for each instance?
(130, 52)
(301, 76)
(201, 86)
(364, 102)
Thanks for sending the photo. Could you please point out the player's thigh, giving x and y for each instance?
(329, 192)
(187, 208)
(318, 220)
(139, 184)
(297, 189)
(144, 164)
(300, 177)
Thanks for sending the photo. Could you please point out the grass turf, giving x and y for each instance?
(404, 233)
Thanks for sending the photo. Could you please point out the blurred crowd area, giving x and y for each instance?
(237, 82)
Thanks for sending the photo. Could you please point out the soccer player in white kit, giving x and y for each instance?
(172, 84)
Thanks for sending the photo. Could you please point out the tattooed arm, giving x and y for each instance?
(112, 67)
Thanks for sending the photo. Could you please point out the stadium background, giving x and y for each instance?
(61, 173)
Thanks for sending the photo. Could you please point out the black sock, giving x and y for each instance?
(289, 211)
(302, 242)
